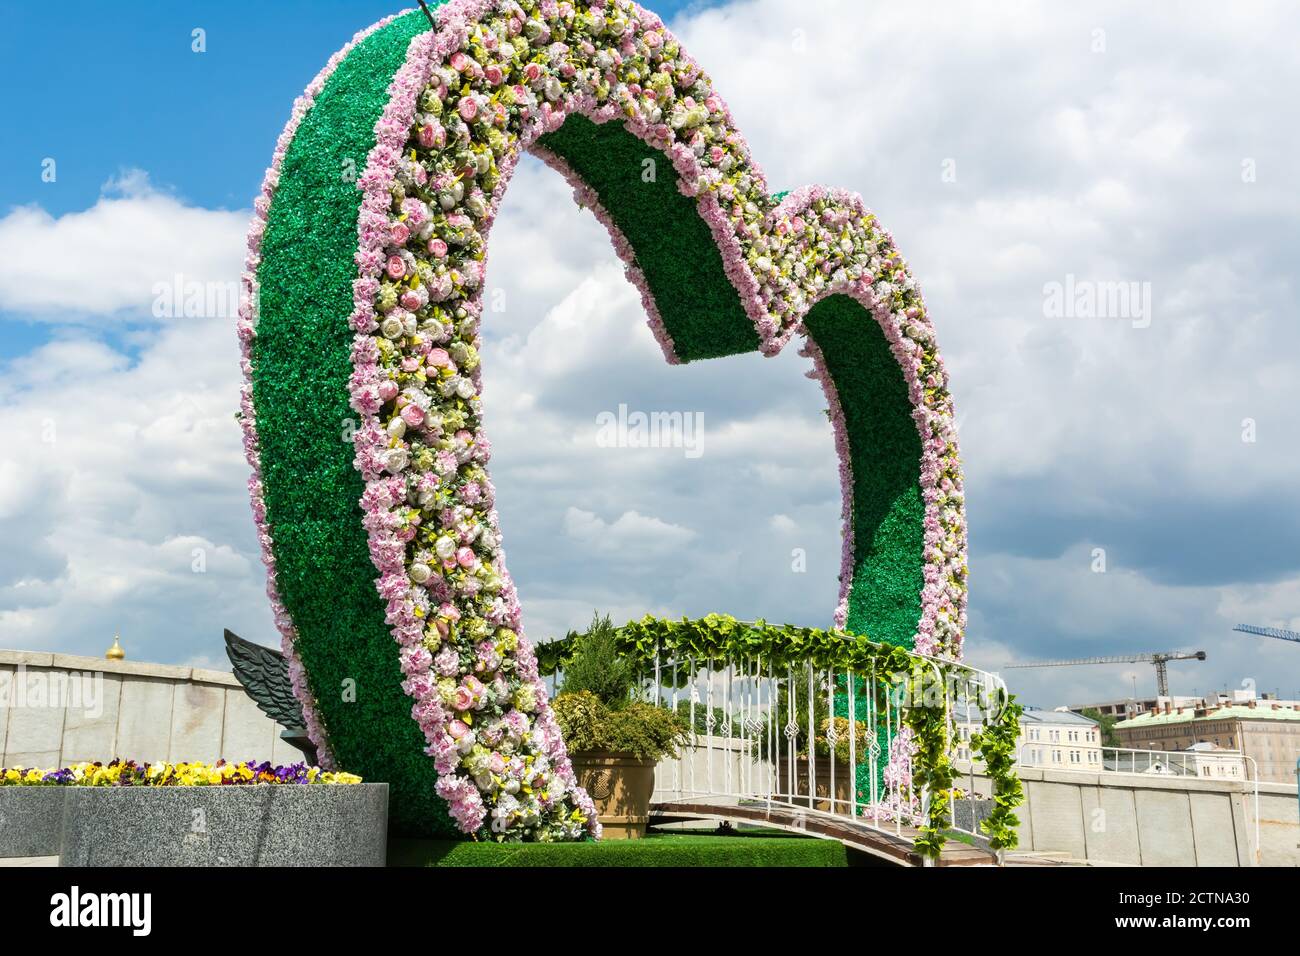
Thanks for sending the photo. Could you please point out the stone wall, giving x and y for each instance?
(57, 709)
(1153, 820)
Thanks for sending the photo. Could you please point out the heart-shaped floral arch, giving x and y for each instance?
(361, 324)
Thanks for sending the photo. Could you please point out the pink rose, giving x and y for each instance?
(399, 233)
(457, 729)
(464, 698)
(438, 358)
(465, 557)
(388, 390)
(468, 108)
(450, 612)
(396, 267)
(411, 300)
(460, 62)
(532, 72)
(437, 248)
(413, 415)
(494, 75)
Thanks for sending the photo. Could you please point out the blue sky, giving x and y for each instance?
(1101, 143)
(201, 124)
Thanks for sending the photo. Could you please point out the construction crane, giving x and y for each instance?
(1161, 659)
(1281, 633)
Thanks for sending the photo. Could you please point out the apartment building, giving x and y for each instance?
(1266, 731)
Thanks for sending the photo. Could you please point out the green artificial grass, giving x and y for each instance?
(885, 449)
(301, 364)
(654, 850)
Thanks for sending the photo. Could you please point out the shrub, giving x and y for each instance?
(594, 665)
(643, 730)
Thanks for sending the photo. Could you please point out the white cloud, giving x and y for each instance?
(631, 534)
(118, 256)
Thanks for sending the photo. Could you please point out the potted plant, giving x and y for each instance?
(614, 737)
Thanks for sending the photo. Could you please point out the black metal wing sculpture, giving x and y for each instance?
(264, 672)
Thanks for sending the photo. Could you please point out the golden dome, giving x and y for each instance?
(115, 653)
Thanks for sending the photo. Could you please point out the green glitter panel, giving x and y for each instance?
(673, 245)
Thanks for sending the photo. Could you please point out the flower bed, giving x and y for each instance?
(125, 813)
(129, 773)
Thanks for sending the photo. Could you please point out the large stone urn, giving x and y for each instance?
(620, 785)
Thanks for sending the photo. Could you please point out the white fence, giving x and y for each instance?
(817, 739)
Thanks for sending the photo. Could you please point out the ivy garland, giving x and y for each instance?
(902, 676)
(996, 745)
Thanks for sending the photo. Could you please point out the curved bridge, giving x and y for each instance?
(895, 846)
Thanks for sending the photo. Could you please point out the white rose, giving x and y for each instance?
(420, 573)
(396, 460)
(445, 547)
(391, 328)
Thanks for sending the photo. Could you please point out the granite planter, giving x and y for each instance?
(31, 820)
(620, 785)
(315, 825)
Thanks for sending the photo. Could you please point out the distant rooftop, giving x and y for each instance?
(1189, 714)
(1057, 717)
(1031, 716)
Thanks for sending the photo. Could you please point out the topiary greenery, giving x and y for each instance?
(596, 707)
(724, 267)
(595, 664)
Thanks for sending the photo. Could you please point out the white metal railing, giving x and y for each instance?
(1201, 764)
(750, 735)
